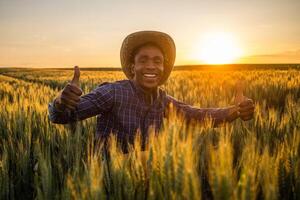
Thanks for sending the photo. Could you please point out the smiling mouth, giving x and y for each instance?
(150, 75)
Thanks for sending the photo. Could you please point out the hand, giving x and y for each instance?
(70, 95)
(246, 109)
(245, 106)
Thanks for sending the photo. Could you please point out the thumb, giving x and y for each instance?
(239, 92)
(75, 80)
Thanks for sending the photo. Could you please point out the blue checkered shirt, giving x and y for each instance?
(122, 108)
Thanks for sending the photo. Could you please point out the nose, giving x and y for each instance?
(150, 64)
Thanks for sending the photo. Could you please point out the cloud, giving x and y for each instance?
(282, 54)
(283, 57)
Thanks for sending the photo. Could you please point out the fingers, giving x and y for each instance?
(76, 90)
(246, 102)
(247, 114)
(247, 118)
(70, 96)
(75, 80)
(69, 103)
(72, 89)
(246, 110)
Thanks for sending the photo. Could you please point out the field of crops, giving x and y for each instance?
(257, 159)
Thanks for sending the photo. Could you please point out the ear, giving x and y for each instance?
(132, 68)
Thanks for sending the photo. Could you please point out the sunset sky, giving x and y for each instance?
(64, 33)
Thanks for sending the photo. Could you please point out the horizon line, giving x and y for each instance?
(175, 66)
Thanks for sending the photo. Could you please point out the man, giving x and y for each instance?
(128, 106)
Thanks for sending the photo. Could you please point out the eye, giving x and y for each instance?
(158, 61)
(142, 60)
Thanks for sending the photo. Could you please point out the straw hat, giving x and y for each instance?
(137, 39)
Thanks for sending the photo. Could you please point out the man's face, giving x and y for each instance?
(148, 67)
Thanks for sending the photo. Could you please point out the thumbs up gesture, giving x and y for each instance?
(75, 80)
(244, 105)
(70, 95)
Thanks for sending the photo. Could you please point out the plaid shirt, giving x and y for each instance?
(121, 108)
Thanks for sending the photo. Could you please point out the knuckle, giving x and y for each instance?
(78, 90)
(64, 92)
(65, 96)
(72, 93)
(74, 103)
(73, 86)
(77, 100)
(68, 85)
(70, 107)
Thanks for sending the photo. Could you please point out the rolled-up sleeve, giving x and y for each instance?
(190, 113)
(57, 116)
(98, 101)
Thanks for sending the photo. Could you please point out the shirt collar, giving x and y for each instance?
(143, 93)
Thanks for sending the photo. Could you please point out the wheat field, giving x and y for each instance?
(257, 159)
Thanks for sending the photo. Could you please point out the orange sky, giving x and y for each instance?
(89, 33)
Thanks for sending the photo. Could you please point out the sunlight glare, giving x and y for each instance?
(218, 48)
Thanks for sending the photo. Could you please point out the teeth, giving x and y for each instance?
(150, 75)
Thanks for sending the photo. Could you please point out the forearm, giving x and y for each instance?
(217, 115)
(60, 114)
(198, 115)
(98, 101)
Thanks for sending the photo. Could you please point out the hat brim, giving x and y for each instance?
(137, 39)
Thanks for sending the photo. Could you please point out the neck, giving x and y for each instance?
(145, 90)
(150, 94)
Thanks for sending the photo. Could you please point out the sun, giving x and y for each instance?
(218, 48)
